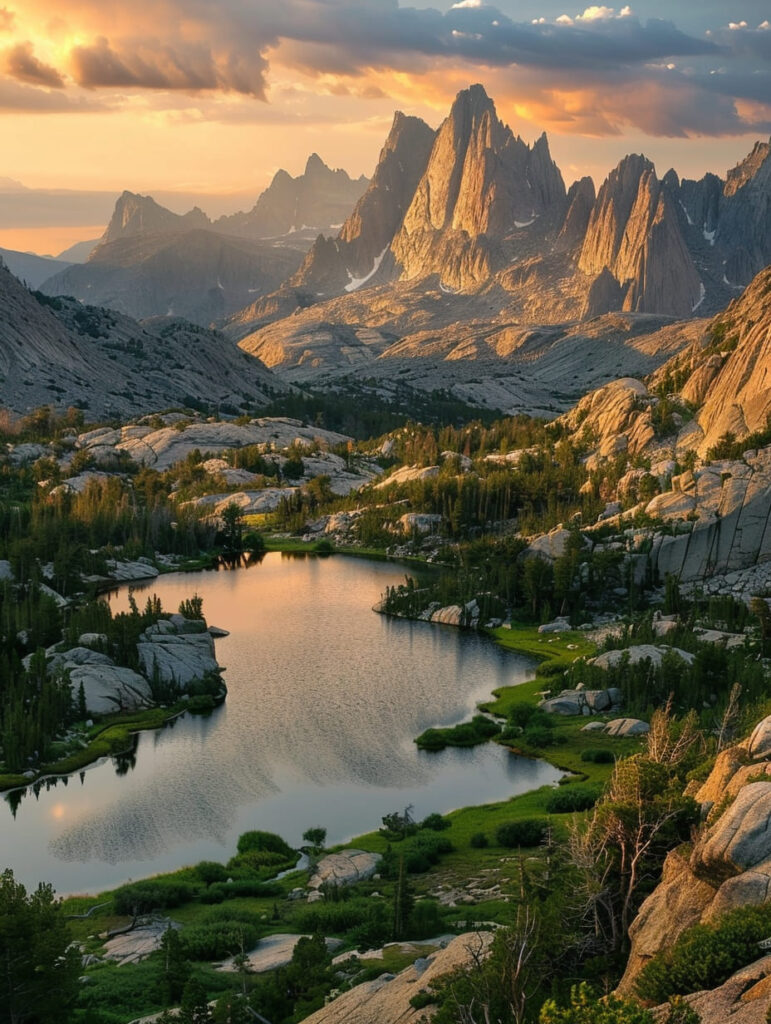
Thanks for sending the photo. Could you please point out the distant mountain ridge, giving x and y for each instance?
(151, 261)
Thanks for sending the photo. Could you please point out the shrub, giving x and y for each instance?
(526, 832)
(573, 798)
(706, 955)
(211, 871)
(479, 841)
(219, 939)
(597, 755)
(144, 897)
(435, 822)
(539, 736)
(264, 841)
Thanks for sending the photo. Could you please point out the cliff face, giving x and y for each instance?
(633, 234)
(481, 183)
(735, 389)
(729, 864)
(744, 226)
(333, 264)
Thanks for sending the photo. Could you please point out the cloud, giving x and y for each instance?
(18, 98)
(7, 19)
(589, 68)
(190, 67)
(22, 64)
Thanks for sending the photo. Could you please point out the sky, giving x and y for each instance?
(208, 98)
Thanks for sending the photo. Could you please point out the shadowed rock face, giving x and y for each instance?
(141, 215)
(62, 352)
(744, 227)
(319, 199)
(332, 264)
(633, 234)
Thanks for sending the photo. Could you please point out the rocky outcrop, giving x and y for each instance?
(107, 687)
(736, 395)
(633, 234)
(164, 446)
(178, 651)
(743, 999)
(344, 868)
(387, 999)
(639, 653)
(316, 200)
(729, 864)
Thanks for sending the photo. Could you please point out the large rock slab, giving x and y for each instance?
(639, 653)
(275, 951)
(138, 943)
(344, 868)
(177, 658)
(387, 999)
(109, 688)
(627, 727)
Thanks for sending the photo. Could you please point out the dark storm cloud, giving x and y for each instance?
(22, 64)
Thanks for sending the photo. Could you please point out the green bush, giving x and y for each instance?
(706, 955)
(144, 897)
(211, 871)
(526, 832)
(467, 734)
(479, 841)
(218, 939)
(598, 755)
(435, 822)
(264, 841)
(540, 736)
(573, 798)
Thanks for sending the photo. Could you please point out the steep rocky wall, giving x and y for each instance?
(729, 864)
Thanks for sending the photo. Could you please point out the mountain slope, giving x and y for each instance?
(32, 268)
(197, 274)
(60, 352)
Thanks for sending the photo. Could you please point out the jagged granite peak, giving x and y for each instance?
(747, 170)
(744, 227)
(634, 233)
(580, 202)
(135, 214)
(480, 183)
(700, 202)
(318, 199)
(332, 265)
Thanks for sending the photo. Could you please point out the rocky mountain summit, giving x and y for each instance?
(61, 352)
(319, 199)
(474, 237)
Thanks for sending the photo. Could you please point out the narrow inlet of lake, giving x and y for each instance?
(325, 698)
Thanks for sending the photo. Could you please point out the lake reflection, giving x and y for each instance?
(324, 700)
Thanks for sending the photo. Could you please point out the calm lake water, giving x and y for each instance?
(324, 700)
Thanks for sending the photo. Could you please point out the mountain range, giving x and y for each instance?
(467, 247)
(152, 262)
